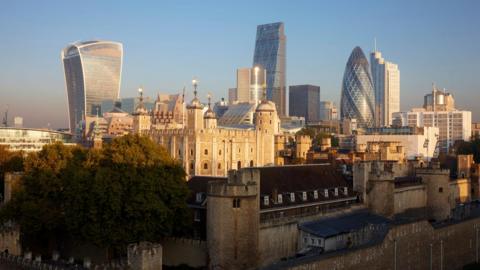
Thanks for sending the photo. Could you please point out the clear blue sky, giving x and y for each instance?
(166, 43)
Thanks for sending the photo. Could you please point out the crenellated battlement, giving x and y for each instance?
(145, 256)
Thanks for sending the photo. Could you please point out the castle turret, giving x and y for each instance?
(194, 111)
(233, 213)
(141, 117)
(267, 124)
(210, 118)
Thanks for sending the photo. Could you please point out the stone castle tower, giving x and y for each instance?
(210, 118)
(195, 111)
(267, 125)
(141, 117)
(233, 220)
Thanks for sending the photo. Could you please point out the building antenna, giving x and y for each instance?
(375, 44)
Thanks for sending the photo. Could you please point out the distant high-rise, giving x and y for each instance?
(92, 74)
(328, 110)
(250, 82)
(304, 100)
(232, 95)
(358, 99)
(386, 84)
(439, 111)
(270, 54)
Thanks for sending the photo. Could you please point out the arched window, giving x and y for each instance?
(191, 166)
(205, 166)
(251, 163)
(191, 152)
(205, 151)
(219, 166)
(220, 152)
(239, 164)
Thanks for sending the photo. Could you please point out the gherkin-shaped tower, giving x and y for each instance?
(358, 99)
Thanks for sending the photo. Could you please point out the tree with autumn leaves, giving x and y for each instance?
(130, 190)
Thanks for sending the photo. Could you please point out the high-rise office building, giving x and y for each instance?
(358, 99)
(453, 124)
(92, 74)
(328, 110)
(250, 83)
(270, 54)
(386, 83)
(304, 100)
(438, 101)
(232, 95)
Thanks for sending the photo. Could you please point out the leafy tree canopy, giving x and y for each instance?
(129, 191)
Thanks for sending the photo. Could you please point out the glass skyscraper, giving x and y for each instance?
(358, 99)
(386, 82)
(92, 74)
(270, 54)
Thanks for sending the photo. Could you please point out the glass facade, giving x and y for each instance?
(358, 99)
(92, 74)
(238, 114)
(386, 83)
(30, 140)
(270, 54)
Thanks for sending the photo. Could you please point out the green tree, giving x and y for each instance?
(9, 162)
(37, 206)
(129, 191)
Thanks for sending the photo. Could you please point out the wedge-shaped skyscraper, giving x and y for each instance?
(270, 55)
(358, 99)
(92, 74)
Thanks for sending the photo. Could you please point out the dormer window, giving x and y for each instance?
(199, 197)
(266, 200)
(304, 196)
(292, 197)
(315, 194)
(326, 193)
(345, 190)
(336, 192)
(279, 198)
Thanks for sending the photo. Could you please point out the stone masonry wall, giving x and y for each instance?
(10, 240)
(410, 246)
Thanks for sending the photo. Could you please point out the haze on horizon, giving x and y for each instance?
(167, 43)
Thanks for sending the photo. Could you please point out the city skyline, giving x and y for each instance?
(32, 82)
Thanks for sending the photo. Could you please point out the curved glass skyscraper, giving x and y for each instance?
(358, 99)
(92, 74)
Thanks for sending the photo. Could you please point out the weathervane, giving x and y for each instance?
(195, 84)
(140, 91)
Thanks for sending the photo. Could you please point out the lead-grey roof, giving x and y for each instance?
(343, 224)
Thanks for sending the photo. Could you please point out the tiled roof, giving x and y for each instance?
(300, 178)
(197, 185)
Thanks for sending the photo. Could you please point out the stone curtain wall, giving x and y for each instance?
(408, 246)
(177, 251)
